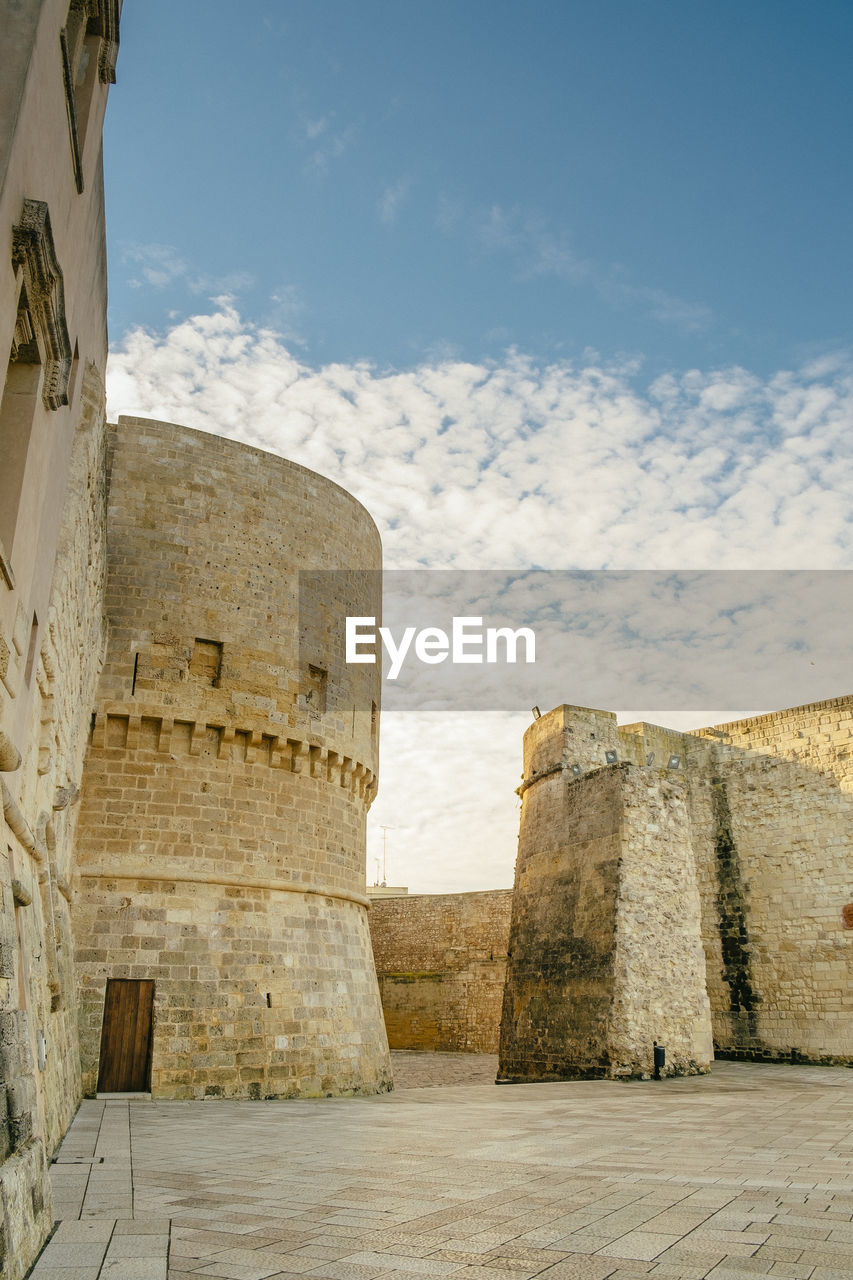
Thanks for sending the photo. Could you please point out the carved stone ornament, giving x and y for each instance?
(33, 251)
(103, 21)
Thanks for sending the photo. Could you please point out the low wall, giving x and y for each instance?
(441, 964)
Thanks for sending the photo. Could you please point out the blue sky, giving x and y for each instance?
(549, 284)
(399, 181)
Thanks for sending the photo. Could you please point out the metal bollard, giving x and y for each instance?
(660, 1059)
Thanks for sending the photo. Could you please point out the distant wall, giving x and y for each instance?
(441, 963)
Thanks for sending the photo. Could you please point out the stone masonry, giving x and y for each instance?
(58, 61)
(441, 964)
(605, 945)
(673, 886)
(222, 827)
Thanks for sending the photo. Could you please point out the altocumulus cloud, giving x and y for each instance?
(508, 465)
(511, 464)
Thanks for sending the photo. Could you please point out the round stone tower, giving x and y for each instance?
(221, 931)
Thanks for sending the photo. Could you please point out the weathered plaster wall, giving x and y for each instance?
(441, 964)
(221, 847)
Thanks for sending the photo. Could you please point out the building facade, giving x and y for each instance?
(58, 63)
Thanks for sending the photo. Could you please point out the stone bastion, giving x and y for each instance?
(222, 944)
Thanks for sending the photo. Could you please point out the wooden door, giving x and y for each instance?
(125, 1065)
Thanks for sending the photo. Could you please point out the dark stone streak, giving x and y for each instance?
(732, 908)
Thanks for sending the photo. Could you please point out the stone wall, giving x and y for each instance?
(441, 964)
(737, 835)
(773, 816)
(818, 736)
(560, 971)
(605, 950)
(52, 484)
(221, 847)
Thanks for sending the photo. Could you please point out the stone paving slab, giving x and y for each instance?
(744, 1173)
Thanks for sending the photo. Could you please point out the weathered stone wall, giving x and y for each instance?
(441, 964)
(738, 835)
(53, 342)
(37, 953)
(560, 971)
(818, 736)
(222, 833)
(773, 816)
(605, 949)
(659, 971)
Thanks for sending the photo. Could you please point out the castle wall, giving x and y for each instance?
(659, 991)
(53, 340)
(221, 847)
(441, 964)
(737, 835)
(560, 970)
(818, 736)
(773, 815)
(605, 950)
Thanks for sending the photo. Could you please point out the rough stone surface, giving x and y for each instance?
(441, 963)
(605, 948)
(639, 845)
(52, 485)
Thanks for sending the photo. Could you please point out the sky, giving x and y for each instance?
(545, 285)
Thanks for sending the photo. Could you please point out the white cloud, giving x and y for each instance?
(157, 265)
(331, 143)
(313, 128)
(512, 464)
(392, 199)
(161, 265)
(536, 249)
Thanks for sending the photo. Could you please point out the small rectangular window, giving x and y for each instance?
(206, 661)
(315, 694)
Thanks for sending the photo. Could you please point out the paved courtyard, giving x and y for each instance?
(746, 1172)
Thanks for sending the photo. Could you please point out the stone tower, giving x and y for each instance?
(605, 952)
(221, 922)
